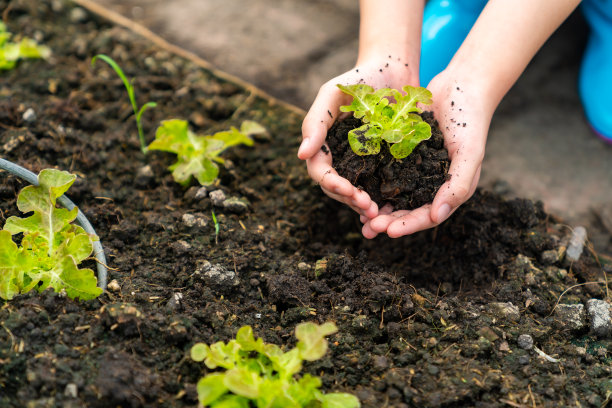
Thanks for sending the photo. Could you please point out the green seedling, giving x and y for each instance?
(214, 218)
(11, 52)
(259, 374)
(197, 155)
(130, 90)
(51, 247)
(389, 115)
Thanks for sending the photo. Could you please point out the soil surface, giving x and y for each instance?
(486, 310)
(406, 184)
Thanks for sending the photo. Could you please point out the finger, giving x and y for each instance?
(382, 222)
(368, 232)
(320, 170)
(416, 220)
(465, 172)
(321, 116)
(345, 200)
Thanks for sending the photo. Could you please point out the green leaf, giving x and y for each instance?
(210, 388)
(196, 154)
(231, 401)
(51, 245)
(339, 400)
(246, 340)
(199, 351)
(11, 52)
(389, 115)
(365, 140)
(222, 355)
(420, 131)
(14, 262)
(311, 336)
(242, 381)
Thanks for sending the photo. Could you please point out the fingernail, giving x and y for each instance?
(443, 212)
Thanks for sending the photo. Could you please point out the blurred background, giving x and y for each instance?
(540, 145)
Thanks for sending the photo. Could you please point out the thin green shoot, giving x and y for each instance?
(214, 218)
(130, 90)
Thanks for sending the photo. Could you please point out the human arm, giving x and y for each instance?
(389, 47)
(503, 40)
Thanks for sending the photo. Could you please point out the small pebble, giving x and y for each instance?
(523, 360)
(576, 244)
(235, 205)
(217, 198)
(572, 317)
(525, 341)
(303, 266)
(29, 116)
(78, 15)
(175, 301)
(114, 286)
(600, 319)
(505, 310)
(71, 390)
(201, 193)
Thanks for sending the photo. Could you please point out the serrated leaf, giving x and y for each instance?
(242, 382)
(312, 343)
(14, 262)
(420, 131)
(78, 283)
(196, 154)
(339, 400)
(210, 388)
(364, 140)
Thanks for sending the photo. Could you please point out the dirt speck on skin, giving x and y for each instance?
(406, 184)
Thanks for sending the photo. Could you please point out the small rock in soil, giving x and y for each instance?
(78, 15)
(71, 390)
(550, 257)
(599, 315)
(505, 310)
(572, 317)
(217, 275)
(114, 286)
(576, 244)
(525, 341)
(144, 177)
(235, 205)
(181, 247)
(523, 360)
(29, 116)
(175, 301)
(201, 193)
(192, 220)
(217, 198)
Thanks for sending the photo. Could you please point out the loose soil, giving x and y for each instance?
(433, 319)
(405, 184)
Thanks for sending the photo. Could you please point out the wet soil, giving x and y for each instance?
(405, 184)
(433, 319)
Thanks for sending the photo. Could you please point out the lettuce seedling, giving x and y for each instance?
(51, 247)
(11, 52)
(389, 115)
(130, 90)
(261, 375)
(197, 155)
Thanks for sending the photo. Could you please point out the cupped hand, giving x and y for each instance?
(464, 118)
(379, 73)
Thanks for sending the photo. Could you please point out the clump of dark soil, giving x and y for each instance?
(406, 184)
(437, 319)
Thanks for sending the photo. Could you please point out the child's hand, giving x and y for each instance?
(464, 119)
(380, 73)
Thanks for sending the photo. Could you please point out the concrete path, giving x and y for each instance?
(540, 145)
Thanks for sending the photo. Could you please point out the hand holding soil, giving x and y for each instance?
(325, 110)
(464, 119)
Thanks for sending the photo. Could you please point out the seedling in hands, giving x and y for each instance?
(261, 375)
(130, 90)
(389, 115)
(11, 52)
(51, 247)
(197, 155)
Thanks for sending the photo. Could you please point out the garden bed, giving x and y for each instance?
(441, 318)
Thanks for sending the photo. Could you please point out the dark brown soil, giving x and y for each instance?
(429, 320)
(406, 184)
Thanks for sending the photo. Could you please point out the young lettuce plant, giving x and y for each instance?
(197, 155)
(51, 247)
(389, 115)
(130, 90)
(11, 52)
(261, 375)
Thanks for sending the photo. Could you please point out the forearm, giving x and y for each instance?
(391, 28)
(505, 38)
